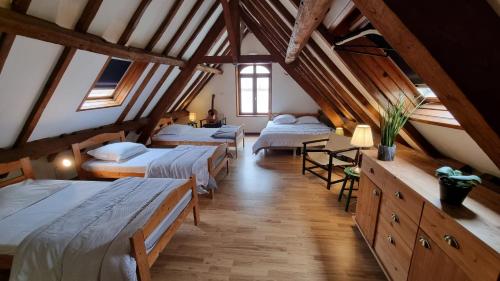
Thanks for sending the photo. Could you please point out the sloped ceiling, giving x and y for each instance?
(186, 29)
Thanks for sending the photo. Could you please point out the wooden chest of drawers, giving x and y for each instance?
(415, 236)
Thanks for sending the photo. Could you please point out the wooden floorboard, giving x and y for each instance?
(269, 222)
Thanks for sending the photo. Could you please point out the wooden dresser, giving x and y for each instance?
(416, 237)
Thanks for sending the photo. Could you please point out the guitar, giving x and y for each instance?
(212, 113)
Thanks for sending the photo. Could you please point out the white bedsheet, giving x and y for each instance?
(196, 134)
(289, 135)
(136, 164)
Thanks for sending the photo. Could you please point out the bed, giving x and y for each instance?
(140, 165)
(194, 136)
(289, 136)
(116, 229)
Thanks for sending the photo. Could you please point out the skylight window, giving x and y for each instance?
(425, 91)
(105, 92)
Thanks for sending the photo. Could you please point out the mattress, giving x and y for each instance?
(289, 135)
(194, 135)
(19, 225)
(136, 164)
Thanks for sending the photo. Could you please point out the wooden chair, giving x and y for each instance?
(337, 153)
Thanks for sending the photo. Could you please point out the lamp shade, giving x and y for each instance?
(192, 116)
(339, 131)
(362, 136)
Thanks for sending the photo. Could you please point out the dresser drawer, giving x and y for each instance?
(404, 198)
(376, 173)
(398, 221)
(477, 260)
(392, 252)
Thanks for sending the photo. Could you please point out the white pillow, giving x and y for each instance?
(117, 151)
(175, 129)
(307, 120)
(284, 119)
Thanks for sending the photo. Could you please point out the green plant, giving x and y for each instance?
(456, 178)
(394, 116)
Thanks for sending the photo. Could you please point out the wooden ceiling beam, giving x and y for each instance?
(164, 25)
(6, 40)
(56, 75)
(311, 13)
(462, 73)
(232, 20)
(133, 22)
(241, 60)
(52, 145)
(181, 80)
(19, 24)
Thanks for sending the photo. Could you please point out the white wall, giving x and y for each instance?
(287, 95)
(457, 144)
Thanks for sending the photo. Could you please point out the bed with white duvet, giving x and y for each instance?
(290, 133)
(81, 230)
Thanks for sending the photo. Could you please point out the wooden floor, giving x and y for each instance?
(269, 222)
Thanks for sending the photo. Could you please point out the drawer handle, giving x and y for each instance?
(372, 171)
(398, 194)
(451, 241)
(375, 192)
(424, 242)
(395, 218)
(390, 239)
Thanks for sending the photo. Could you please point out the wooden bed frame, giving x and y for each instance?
(143, 259)
(213, 167)
(166, 121)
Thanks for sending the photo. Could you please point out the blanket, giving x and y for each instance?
(183, 162)
(226, 132)
(289, 135)
(91, 241)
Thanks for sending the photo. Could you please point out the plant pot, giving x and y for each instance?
(451, 194)
(386, 153)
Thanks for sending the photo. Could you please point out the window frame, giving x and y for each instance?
(120, 92)
(254, 77)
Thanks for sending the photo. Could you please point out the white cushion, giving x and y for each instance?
(307, 120)
(284, 119)
(175, 129)
(117, 151)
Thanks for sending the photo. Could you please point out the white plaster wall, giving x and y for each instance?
(457, 144)
(287, 95)
(21, 80)
(162, 90)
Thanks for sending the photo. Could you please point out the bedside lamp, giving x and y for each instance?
(339, 131)
(192, 119)
(362, 138)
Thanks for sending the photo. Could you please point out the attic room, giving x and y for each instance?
(249, 140)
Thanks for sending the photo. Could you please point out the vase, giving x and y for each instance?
(386, 153)
(452, 194)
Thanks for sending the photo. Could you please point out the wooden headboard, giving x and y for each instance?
(164, 121)
(91, 143)
(23, 164)
(274, 114)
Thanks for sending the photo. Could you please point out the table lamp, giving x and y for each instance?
(339, 131)
(192, 116)
(362, 138)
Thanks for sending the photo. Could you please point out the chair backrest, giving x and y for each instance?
(23, 164)
(337, 142)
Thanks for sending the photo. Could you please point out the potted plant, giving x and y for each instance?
(392, 119)
(454, 186)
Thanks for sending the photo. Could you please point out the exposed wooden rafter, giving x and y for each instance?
(133, 22)
(52, 145)
(181, 80)
(311, 13)
(241, 59)
(164, 25)
(232, 20)
(6, 40)
(438, 58)
(56, 75)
